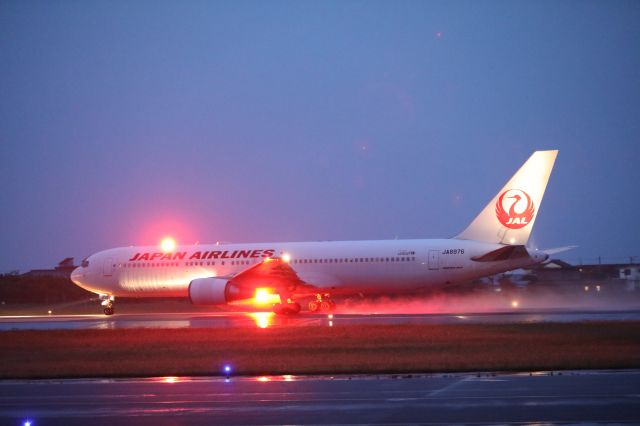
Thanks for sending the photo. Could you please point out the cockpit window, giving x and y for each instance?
(85, 263)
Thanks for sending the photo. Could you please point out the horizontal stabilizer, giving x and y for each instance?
(503, 253)
(558, 249)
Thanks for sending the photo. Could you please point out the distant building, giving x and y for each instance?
(631, 274)
(559, 275)
(63, 270)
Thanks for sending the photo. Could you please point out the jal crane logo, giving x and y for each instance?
(515, 214)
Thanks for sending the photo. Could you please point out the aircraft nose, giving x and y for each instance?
(77, 275)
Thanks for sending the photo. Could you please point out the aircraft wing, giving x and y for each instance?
(273, 273)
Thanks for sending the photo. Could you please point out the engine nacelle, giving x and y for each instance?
(208, 291)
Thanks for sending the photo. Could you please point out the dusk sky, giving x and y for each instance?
(256, 121)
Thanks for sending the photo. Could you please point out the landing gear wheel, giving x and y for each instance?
(327, 305)
(107, 304)
(323, 303)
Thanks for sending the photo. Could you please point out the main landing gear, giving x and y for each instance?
(107, 303)
(323, 303)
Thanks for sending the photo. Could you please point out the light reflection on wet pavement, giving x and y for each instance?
(480, 398)
(268, 319)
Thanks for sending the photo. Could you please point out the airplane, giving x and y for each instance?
(220, 274)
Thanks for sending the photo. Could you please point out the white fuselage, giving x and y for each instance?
(389, 266)
(494, 242)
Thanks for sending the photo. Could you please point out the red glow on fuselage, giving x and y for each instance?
(153, 230)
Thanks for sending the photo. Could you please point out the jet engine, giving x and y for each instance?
(217, 291)
(208, 291)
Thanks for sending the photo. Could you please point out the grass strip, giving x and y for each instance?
(349, 349)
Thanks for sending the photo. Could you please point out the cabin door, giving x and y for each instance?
(434, 259)
(108, 267)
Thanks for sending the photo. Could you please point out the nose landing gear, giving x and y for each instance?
(323, 303)
(107, 303)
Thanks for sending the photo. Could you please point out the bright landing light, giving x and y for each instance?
(262, 296)
(168, 244)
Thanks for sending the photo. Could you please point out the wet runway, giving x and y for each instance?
(268, 319)
(567, 398)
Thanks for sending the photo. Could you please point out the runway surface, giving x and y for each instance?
(267, 319)
(566, 398)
